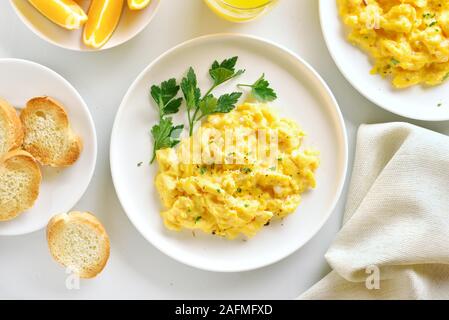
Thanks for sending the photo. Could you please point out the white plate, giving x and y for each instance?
(416, 102)
(303, 96)
(131, 24)
(61, 188)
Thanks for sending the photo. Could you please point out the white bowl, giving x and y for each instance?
(61, 188)
(131, 23)
(417, 102)
(303, 96)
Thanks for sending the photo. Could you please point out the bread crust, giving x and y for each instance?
(15, 138)
(8, 162)
(57, 224)
(44, 154)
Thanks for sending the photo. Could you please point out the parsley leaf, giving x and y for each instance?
(224, 71)
(208, 104)
(173, 106)
(192, 94)
(261, 90)
(190, 89)
(165, 135)
(164, 96)
(226, 103)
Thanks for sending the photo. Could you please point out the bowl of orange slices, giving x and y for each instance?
(86, 25)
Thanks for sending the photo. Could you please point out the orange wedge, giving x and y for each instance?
(138, 4)
(103, 18)
(66, 13)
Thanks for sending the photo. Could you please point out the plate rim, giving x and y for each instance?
(86, 49)
(356, 86)
(324, 85)
(90, 122)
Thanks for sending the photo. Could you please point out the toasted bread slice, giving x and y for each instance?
(78, 241)
(48, 135)
(20, 179)
(11, 131)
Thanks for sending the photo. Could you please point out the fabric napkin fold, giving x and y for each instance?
(396, 223)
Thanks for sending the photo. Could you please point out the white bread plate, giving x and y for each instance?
(61, 188)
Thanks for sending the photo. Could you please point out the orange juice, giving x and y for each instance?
(240, 10)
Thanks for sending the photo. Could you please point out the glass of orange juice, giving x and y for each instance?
(240, 10)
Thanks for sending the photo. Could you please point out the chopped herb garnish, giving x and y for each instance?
(197, 219)
(394, 61)
(273, 168)
(246, 170)
(203, 170)
(239, 190)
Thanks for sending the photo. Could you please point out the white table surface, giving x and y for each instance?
(137, 270)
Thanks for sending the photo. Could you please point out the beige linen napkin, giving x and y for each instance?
(396, 219)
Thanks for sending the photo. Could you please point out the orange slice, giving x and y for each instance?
(138, 4)
(66, 13)
(103, 18)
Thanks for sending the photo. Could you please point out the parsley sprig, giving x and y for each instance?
(261, 90)
(199, 106)
(165, 134)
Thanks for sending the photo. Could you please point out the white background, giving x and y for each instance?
(136, 270)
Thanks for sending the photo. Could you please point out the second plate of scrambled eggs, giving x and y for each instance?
(394, 52)
(228, 216)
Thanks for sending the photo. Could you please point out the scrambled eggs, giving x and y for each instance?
(228, 196)
(408, 39)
